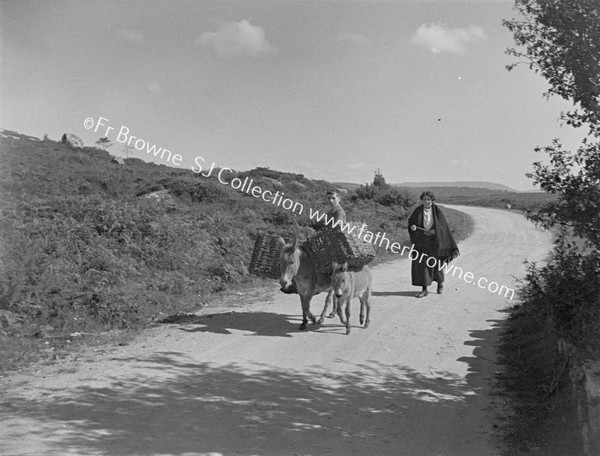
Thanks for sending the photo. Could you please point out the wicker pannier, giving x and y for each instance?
(330, 245)
(265, 256)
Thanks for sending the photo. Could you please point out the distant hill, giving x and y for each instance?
(486, 194)
(463, 184)
(419, 186)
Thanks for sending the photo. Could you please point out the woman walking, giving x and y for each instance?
(431, 236)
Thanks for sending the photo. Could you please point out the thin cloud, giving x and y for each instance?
(439, 38)
(354, 38)
(132, 36)
(235, 39)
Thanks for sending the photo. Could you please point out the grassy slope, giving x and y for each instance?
(85, 251)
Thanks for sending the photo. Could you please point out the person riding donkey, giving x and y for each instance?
(334, 218)
(335, 215)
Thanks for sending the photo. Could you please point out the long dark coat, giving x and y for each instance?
(439, 244)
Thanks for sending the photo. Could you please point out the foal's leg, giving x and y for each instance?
(367, 304)
(330, 297)
(348, 301)
(336, 304)
(340, 309)
(361, 317)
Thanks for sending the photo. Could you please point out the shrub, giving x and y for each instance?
(567, 291)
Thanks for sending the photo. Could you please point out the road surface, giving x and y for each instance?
(245, 381)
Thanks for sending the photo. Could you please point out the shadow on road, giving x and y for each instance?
(199, 407)
(395, 293)
(255, 323)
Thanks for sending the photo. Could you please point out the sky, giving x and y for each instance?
(332, 89)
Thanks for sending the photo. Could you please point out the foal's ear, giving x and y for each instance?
(335, 265)
(280, 241)
(345, 266)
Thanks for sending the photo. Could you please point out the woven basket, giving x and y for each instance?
(335, 245)
(265, 256)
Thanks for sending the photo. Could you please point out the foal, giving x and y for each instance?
(348, 285)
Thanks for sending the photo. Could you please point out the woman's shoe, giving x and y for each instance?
(422, 294)
(440, 288)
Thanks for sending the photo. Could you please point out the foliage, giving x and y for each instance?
(566, 292)
(381, 192)
(575, 177)
(562, 42)
(104, 142)
(379, 181)
(545, 416)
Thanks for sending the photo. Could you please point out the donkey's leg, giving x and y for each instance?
(330, 297)
(306, 313)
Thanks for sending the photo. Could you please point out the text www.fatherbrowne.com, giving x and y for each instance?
(379, 239)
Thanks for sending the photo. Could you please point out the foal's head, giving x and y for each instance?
(339, 278)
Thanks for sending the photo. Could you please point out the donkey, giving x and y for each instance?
(348, 285)
(296, 266)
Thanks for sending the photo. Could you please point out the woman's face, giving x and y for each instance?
(427, 202)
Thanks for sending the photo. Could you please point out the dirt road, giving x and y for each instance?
(417, 382)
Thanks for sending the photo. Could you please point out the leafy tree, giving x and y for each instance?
(379, 181)
(561, 41)
(104, 142)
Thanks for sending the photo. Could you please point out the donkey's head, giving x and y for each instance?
(289, 262)
(339, 278)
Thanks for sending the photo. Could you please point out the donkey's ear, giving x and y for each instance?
(335, 265)
(345, 266)
(280, 241)
(296, 243)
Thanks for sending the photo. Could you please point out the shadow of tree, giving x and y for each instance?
(201, 407)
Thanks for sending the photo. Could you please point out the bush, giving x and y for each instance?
(393, 197)
(567, 291)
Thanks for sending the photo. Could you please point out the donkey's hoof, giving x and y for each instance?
(302, 326)
(331, 315)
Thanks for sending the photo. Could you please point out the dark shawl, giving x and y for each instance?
(446, 248)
